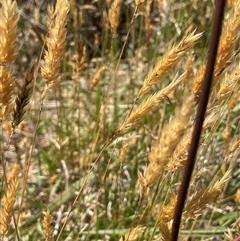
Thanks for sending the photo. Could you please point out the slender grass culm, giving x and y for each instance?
(99, 100)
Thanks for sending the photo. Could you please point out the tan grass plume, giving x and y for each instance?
(114, 13)
(9, 199)
(133, 234)
(8, 30)
(23, 96)
(197, 202)
(47, 226)
(7, 89)
(55, 42)
(163, 148)
(168, 61)
(79, 61)
(148, 104)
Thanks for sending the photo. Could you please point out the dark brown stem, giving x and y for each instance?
(205, 92)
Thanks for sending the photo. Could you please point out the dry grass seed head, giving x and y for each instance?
(166, 217)
(23, 96)
(196, 203)
(228, 84)
(97, 77)
(188, 69)
(80, 58)
(226, 46)
(168, 61)
(74, 12)
(8, 31)
(47, 226)
(114, 13)
(133, 233)
(147, 105)
(228, 39)
(171, 134)
(55, 42)
(180, 154)
(7, 87)
(9, 199)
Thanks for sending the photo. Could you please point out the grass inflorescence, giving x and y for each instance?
(98, 101)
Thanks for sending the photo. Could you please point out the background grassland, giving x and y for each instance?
(104, 149)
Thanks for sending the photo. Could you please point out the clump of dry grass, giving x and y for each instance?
(55, 42)
(117, 195)
(47, 226)
(163, 148)
(168, 61)
(9, 199)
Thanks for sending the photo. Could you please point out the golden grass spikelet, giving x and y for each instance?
(180, 154)
(47, 226)
(147, 105)
(8, 31)
(7, 87)
(163, 148)
(168, 61)
(233, 101)
(23, 96)
(228, 40)
(166, 217)
(97, 77)
(80, 58)
(133, 233)
(197, 202)
(9, 199)
(197, 81)
(188, 69)
(123, 153)
(228, 84)
(114, 13)
(234, 145)
(74, 12)
(55, 42)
